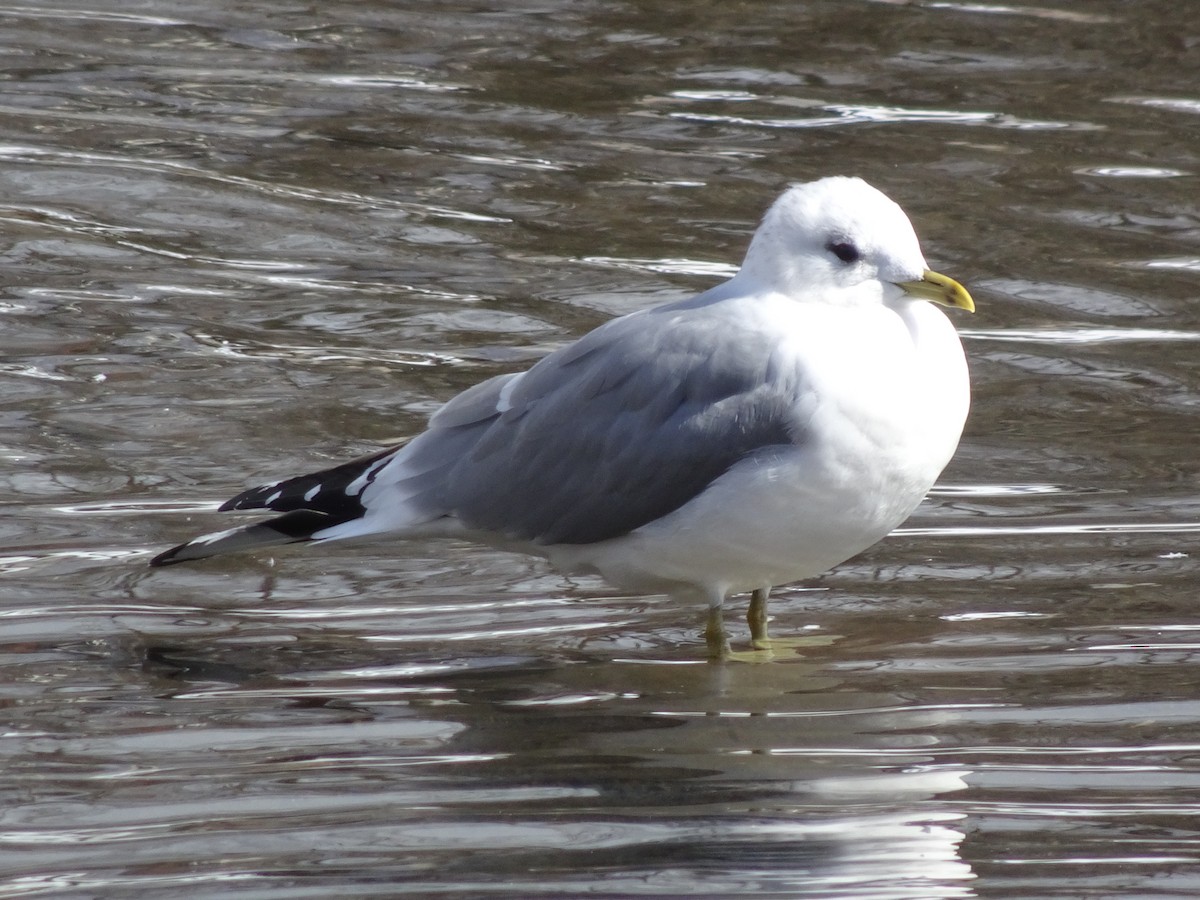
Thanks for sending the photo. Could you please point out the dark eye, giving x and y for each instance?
(844, 250)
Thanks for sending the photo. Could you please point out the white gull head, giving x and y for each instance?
(837, 240)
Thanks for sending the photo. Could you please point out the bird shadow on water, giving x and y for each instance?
(630, 755)
(462, 716)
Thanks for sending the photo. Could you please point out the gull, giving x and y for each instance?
(759, 433)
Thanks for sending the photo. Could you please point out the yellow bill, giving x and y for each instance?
(941, 289)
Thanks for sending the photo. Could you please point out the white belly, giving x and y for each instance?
(762, 523)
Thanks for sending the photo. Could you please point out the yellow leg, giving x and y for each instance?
(756, 618)
(715, 636)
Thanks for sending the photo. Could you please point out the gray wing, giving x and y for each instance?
(619, 429)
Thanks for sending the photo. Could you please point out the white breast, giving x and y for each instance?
(878, 425)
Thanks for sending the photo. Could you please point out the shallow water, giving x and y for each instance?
(248, 239)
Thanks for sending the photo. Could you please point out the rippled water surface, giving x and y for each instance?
(246, 239)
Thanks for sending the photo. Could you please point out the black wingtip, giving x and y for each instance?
(309, 503)
(167, 557)
(290, 528)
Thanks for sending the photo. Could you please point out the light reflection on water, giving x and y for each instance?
(243, 241)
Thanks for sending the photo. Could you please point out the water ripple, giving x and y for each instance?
(888, 115)
(94, 160)
(1079, 335)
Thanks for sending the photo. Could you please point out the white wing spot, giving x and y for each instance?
(206, 539)
(311, 492)
(360, 483)
(275, 496)
(503, 402)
